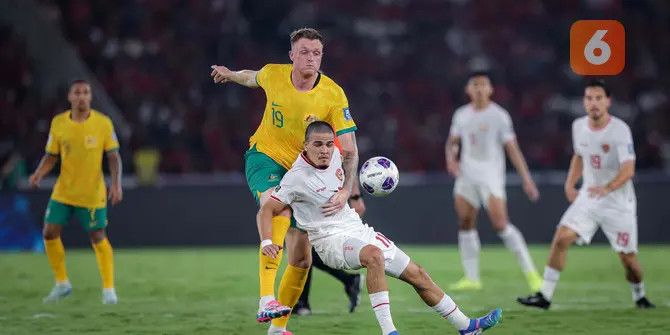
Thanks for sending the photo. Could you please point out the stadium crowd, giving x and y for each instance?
(402, 64)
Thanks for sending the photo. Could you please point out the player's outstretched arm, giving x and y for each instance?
(272, 207)
(47, 163)
(451, 155)
(221, 74)
(626, 172)
(519, 162)
(350, 166)
(116, 170)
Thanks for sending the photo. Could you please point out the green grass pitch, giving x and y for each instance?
(214, 291)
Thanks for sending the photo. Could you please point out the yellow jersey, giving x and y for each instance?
(288, 112)
(80, 146)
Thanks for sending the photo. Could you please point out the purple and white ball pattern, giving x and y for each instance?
(379, 176)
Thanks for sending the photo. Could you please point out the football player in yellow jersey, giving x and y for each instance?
(297, 94)
(79, 137)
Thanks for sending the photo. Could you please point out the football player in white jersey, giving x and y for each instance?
(482, 129)
(605, 160)
(344, 242)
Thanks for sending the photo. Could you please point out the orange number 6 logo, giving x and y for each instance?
(597, 47)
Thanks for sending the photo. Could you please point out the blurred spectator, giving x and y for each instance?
(403, 64)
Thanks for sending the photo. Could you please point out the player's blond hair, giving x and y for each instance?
(308, 33)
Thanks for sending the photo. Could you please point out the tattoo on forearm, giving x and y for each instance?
(350, 166)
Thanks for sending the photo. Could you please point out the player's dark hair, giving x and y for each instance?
(486, 74)
(599, 83)
(79, 81)
(308, 33)
(318, 127)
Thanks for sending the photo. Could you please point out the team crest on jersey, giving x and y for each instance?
(90, 141)
(339, 174)
(605, 147)
(273, 177)
(347, 113)
(483, 127)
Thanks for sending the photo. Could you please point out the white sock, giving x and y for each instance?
(638, 290)
(514, 241)
(264, 300)
(550, 281)
(382, 307)
(274, 330)
(469, 246)
(447, 309)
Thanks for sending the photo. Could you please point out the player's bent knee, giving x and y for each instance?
(50, 232)
(372, 256)
(97, 235)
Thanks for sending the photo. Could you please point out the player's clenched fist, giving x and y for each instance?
(220, 74)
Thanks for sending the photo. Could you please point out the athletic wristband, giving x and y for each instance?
(265, 243)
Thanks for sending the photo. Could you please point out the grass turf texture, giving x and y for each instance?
(214, 291)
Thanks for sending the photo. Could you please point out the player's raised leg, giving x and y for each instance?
(563, 238)
(513, 240)
(442, 303)
(56, 255)
(469, 245)
(294, 277)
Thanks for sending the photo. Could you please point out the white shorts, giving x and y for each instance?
(478, 194)
(619, 226)
(342, 251)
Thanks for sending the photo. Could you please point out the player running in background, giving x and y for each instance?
(482, 129)
(344, 242)
(297, 94)
(79, 137)
(604, 157)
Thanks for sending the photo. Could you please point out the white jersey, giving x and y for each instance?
(602, 153)
(483, 134)
(306, 188)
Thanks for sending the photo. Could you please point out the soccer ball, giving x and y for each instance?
(379, 176)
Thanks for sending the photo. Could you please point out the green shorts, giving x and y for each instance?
(262, 173)
(89, 218)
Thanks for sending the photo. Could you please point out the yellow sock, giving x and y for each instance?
(105, 257)
(292, 283)
(56, 254)
(268, 267)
